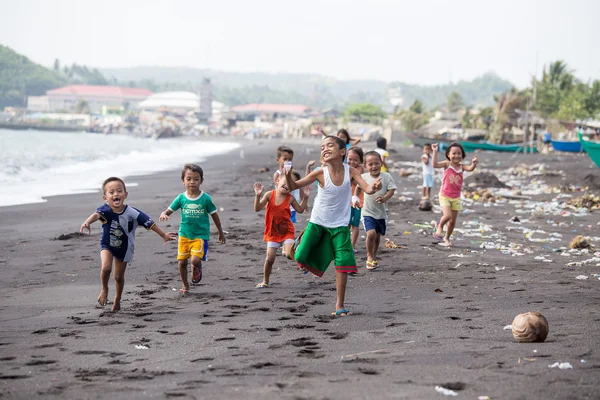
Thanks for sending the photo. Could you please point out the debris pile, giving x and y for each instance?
(391, 245)
(588, 200)
(579, 242)
(483, 195)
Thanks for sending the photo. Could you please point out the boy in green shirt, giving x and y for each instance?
(194, 230)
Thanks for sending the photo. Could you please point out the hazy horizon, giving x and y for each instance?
(429, 43)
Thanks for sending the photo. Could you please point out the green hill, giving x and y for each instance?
(20, 77)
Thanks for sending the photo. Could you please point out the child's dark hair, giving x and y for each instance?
(284, 149)
(112, 179)
(426, 145)
(296, 175)
(373, 153)
(359, 151)
(340, 142)
(345, 133)
(381, 143)
(456, 144)
(193, 168)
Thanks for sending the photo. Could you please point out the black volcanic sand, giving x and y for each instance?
(430, 316)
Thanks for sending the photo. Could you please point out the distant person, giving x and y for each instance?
(374, 211)
(428, 171)
(547, 138)
(451, 188)
(327, 236)
(194, 229)
(381, 143)
(355, 160)
(119, 223)
(279, 229)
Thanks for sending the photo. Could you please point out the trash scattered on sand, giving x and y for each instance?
(500, 268)
(507, 327)
(141, 347)
(581, 277)
(561, 365)
(445, 392)
(579, 242)
(391, 245)
(588, 200)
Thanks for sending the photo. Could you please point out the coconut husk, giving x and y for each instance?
(264, 169)
(530, 327)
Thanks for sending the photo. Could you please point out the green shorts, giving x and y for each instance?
(319, 246)
(355, 216)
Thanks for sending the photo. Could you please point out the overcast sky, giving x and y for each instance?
(414, 41)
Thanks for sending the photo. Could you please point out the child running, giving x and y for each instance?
(279, 229)
(451, 188)
(327, 236)
(194, 230)
(382, 150)
(355, 160)
(375, 210)
(119, 222)
(284, 157)
(427, 171)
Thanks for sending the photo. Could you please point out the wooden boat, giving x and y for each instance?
(510, 148)
(567, 146)
(592, 148)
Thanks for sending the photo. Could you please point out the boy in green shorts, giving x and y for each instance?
(194, 230)
(327, 236)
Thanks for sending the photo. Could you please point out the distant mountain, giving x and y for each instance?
(312, 89)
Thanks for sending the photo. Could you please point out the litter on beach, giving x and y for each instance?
(141, 347)
(561, 365)
(445, 392)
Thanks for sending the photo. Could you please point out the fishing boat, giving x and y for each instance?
(567, 146)
(509, 148)
(592, 148)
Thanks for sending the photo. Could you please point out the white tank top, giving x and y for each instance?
(332, 205)
(428, 168)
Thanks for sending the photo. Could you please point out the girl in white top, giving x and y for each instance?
(428, 171)
(327, 236)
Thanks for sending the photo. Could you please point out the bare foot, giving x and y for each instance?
(103, 298)
(117, 305)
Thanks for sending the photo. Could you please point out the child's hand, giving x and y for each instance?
(355, 202)
(376, 185)
(475, 161)
(434, 147)
(380, 200)
(311, 163)
(164, 217)
(170, 236)
(85, 225)
(258, 188)
(306, 190)
(221, 238)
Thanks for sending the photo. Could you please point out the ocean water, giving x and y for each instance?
(36, 164)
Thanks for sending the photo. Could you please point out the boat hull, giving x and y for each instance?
(567, 146)
(509, 148)
(592, 149)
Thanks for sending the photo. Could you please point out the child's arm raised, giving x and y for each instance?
(259, 203)
(217, 222)
(307, 180)
(165, 215)
(368, 189)
(165, 236)
(472, 166)
(303, 206)
(89, 221)
(309, 167)
(435, 163)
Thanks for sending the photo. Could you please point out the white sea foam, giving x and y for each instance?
(35, 165)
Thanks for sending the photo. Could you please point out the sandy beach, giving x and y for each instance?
(430, 316)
